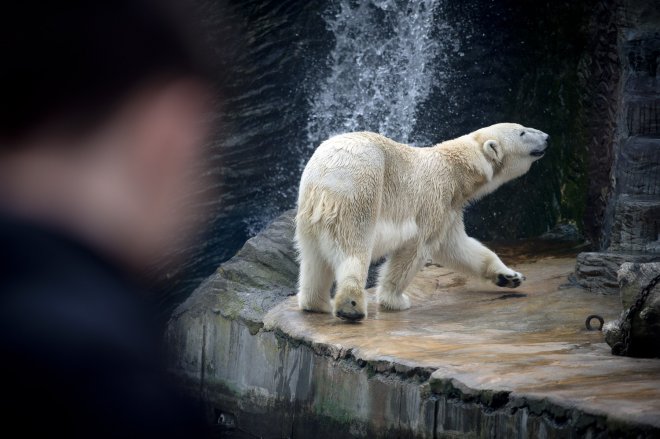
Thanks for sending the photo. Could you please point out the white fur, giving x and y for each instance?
(388, 236)
(363, 196)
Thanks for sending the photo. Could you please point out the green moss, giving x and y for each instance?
(333, 409)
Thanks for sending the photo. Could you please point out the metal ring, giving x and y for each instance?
(587, 322)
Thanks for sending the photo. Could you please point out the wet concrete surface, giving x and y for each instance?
(469, 359)
(530, 342)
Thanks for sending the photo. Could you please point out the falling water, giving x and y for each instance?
(300, 74)
(384, 64)
(416, 71)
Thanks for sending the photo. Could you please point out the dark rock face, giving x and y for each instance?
(639, 165)
(636, 204)
(635, 225)
(518, 62)
(624, 170)
(599, 76)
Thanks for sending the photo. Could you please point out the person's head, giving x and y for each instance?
(101, 122)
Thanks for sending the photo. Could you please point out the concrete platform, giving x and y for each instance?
(467, 360)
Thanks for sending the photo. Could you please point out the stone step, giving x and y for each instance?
(597, 271)
(636, 225)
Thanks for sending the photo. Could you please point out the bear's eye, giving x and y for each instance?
(522, 134)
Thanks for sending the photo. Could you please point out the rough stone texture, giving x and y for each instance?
(630, 229)
(636, 170)
(467, 360)
(645, 334)
(262, 273)
(640, 105)
(634, 277)
(597, 271)
(636, 224)
(639, 166)
(599, 75)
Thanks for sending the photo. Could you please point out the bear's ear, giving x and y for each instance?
(492, 150)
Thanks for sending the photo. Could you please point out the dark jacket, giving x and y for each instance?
(78, 354)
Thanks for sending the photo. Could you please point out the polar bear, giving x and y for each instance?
(363, 196)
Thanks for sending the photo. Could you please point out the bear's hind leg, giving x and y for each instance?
(395, 275)
(351, 300)
(315, 282)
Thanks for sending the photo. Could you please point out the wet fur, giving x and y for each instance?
(363, 196)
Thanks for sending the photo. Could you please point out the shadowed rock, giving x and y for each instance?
(597, 271)
(630, 221)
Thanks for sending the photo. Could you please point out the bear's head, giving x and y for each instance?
(510, 149)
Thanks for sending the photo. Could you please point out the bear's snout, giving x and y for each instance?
(540, 152)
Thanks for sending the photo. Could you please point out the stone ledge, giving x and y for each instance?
(597, 271)
(468, 359)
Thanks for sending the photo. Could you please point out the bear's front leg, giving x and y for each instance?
(395, 275)
(470, 256)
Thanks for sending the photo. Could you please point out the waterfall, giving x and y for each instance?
(384, 64)
(388, 58)
(297, 73)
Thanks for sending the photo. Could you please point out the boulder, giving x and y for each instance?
(597, 271)
(645, 333)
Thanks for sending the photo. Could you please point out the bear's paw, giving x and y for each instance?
(509, 280)
(350, 304)
(397, 302)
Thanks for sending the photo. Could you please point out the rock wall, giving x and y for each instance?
(623, 208)
(599, 78)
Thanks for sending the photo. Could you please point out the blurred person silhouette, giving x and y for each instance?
(100, 131)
